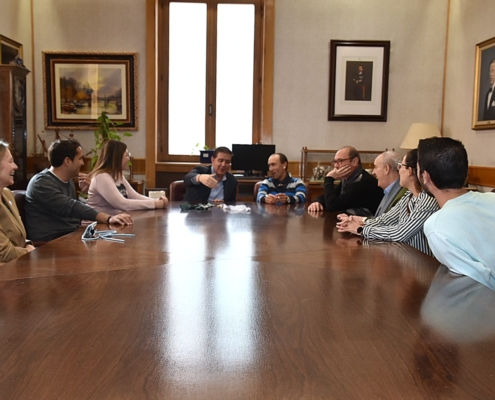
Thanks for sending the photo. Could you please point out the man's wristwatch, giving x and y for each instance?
(360, 230)
(288, 199)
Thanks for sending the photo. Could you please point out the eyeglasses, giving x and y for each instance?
(341, 160)
(399, 165)
(90, 233)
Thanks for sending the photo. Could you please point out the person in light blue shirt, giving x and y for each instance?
(460, 235)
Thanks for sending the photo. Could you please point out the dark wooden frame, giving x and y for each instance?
(375, 52)
(485, 53)
(9, 49)
(56, 118)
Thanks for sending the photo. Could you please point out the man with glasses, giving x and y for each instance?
(213, 183)
(357, 193)
(52, 209)
(460, 234)
(386, 171)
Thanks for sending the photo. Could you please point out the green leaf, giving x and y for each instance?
(105, 130)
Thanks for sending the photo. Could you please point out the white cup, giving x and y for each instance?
(156, 194)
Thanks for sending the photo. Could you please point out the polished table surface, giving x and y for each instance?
(271, 304)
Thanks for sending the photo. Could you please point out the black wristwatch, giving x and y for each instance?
(360, 230)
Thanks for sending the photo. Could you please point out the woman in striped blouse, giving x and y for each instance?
(404, 222)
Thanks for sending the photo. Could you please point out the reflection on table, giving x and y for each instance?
(273, 303)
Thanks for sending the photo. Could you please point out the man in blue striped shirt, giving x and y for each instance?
(281, 188)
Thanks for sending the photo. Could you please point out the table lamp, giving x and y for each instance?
(419, 131)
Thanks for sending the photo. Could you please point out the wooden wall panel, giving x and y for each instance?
(480, 176)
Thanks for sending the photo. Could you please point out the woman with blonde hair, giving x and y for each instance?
(110, 189)
(13, 241)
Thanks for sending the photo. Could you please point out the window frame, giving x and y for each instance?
(261, 132)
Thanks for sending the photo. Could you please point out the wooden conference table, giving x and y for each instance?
(274, 304)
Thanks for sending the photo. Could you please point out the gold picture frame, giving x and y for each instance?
(9, 49)
(79, 86)
(484, 86)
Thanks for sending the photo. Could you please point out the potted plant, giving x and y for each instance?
(105, 130)
(205, 154)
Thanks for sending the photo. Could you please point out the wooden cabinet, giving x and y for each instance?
(13, 119)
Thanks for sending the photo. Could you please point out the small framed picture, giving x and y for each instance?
(79, 86)
(484, 86)
(9, 49)
(358, 80)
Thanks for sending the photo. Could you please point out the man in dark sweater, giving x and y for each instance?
(213, 183)
(357, 193)
(51, 206)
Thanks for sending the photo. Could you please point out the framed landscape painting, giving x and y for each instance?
(79, 86)
(358, 80)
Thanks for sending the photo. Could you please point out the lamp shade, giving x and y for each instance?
(419, 131)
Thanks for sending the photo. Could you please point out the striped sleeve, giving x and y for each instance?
(409, 226)
(297, 191)
(263, 191)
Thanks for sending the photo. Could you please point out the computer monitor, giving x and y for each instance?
(251, 157)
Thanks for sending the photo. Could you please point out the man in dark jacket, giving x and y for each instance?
(213, 183)
(357, 193)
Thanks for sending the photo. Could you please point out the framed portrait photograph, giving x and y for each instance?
(484, 86)
(358, 80)
(79, 86)
(9, 49)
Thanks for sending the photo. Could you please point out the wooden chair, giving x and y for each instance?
(256, 190)
(177, 191)
(258, 184)
(20, 201)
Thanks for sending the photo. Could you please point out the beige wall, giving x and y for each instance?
(471, 22)
(15, 23)
(91, 26)
(303, 30)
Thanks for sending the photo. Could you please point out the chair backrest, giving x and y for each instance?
(177, 191)
(258, 184)
(20, 201)
(256, 189)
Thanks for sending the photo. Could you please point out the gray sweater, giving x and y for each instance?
(52, 209)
